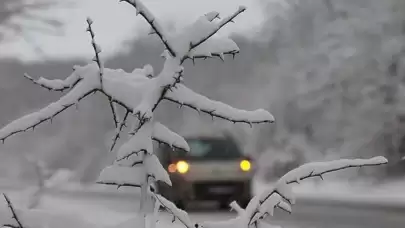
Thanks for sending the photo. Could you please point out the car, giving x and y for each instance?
(215, 169)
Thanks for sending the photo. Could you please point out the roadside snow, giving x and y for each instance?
(389, 194)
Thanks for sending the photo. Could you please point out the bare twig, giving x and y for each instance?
(97, 59)
(114, 112)
(119, 185)
(121, 125)
(148, 16)
(97, 50)
(13, 212)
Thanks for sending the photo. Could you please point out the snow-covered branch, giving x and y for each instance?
(182, 95)
(153, 22)
(281, 195)
(212, 16)
(179, 214)
(34, 119)
(56, 84)
(14, 214)
(134, 176)
(214, 29)
(162, 134)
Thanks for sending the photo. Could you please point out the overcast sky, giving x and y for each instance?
(114, 23)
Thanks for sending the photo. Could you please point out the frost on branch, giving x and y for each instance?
(162, 134)
(185, 96)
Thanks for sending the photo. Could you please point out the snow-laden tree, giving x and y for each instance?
(139, 93)
(329, 76)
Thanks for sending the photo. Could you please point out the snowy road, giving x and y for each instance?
(306, 213)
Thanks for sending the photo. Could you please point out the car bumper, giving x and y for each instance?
(207, 190)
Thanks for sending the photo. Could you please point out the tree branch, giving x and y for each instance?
(121, 125)
(13, 212)
(97, 59)
(184, 96)
(221, 24)
(284, 192)
(56, 84)
(32, 120)
(119, 185)
(176, 212)
(148, 16)
(97, 50)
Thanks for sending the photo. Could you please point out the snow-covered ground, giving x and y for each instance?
(387, 194)
(99, 206)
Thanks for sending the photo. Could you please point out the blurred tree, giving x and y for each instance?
(13, 11)
(337, 76)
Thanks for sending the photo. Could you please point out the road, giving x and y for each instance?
(306, 213)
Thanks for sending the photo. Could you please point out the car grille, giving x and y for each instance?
(207, 189)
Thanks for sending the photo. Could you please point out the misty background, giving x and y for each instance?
(332, 72)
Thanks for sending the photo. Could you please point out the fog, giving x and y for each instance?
(331, 72)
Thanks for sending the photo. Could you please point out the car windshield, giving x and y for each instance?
(210, 149)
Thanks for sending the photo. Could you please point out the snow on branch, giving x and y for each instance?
(162, 134)
(56, 84)
(145, 13)
(317, 169)
(122, 176)
(208, 32)
(182, 95)
(139, 142)
(155, 169)
(179, 214)
(34, 119)
(14, 214)
(281, 195)
(212, 16)
(134, 176)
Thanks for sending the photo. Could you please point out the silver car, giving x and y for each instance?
(214, 169)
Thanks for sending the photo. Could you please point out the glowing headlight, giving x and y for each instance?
(245, 165)
(182, 167)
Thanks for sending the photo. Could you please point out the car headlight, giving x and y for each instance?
(182, 167)
(245, 165)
